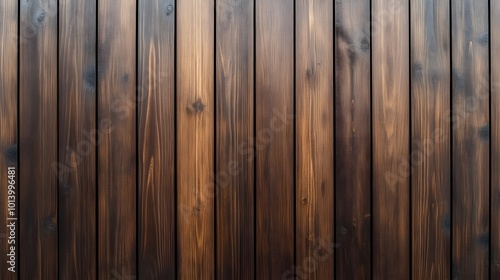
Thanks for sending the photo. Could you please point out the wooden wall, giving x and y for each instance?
(250, 139)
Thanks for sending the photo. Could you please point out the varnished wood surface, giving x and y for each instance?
(470, 140)
(430, 131)
(314, 42)
(391, 132)
(38, 141)
(77, 140)
(117, 154)
(8, 124)
(352, 139)
(235, 173)
(156, 150)
(260, 139)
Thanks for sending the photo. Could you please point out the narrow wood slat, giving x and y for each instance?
(117, 252)
(156, 231)
(391, 120)
(430, 155)
(195, 139)
(314, 43)
(77, 139)
(274, 142)
(495, 140)
(8, 133)
(352, 139)
(234, 176)
(38, 140)
(470, 140)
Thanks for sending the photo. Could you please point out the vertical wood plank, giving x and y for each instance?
(470, 142)
(274, 141)
(195, 138)
(38, 140)
(314, 143)
(77, 139)
(353, 139)
(430, 155)
(156, 80)
(390, 80)
(495, 140)
(8, 133)
(234, 175)
(117, 152)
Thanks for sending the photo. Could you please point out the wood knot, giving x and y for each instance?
(197, 106)
(417, 70)
(125, 78)
(484, 240)
(484, 133)
(90, 79)
(484, 39)
(41, 16)
(49, 224)
(11, 154)
(169, 10)
(304, 200)
(365, 44)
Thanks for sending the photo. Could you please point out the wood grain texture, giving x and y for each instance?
(352, 139)
(77, 139)
(117, 154)
(38, 140)
(495, 141)
(8, 127)
(314, 43)
(390, 124)
(234, 131)
(430, 136)
(195, 139)
(156, 231)
(470, 164)
(274, 143)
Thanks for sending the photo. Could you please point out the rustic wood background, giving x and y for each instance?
(251, 139)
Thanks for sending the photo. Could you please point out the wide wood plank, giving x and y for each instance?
(352, 139)
(77, 139)
(390, 124)
(470, 140)
(38, 140)
(156, 231)
(314, 41)
(8, 134)
(274, 143)
(495, 141)
(234, 130)
(117, 252)
(430, 156)
(195, 139)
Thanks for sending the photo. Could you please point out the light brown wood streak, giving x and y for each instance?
(8, 126)
(390, 105)
(470, 140)
(352, 139)
(431, 181)
(274, 140)
(495, 140)
(77, 142)
(156, 81)
(195, 138)
(117, 153)
(235, 127)
(314, 147)
(38, 140)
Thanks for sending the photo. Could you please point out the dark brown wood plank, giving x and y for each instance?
(470, 140)
(38, 140)
(195, 139)
(390, 124)
(156, 231)
(274, 143)
(235, 127)
(430, 154)
(77, 139)
(117, 252)
(352, 139)
(495, 140)
(314, 43)
(8, 138)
